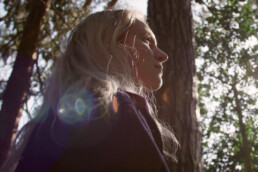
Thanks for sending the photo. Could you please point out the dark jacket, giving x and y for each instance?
(127, 141)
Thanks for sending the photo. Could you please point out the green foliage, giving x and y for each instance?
(226, 61)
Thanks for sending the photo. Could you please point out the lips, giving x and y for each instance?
(159, 67)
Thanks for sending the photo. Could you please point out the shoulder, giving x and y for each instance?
(122, 105)
(123, 97)
(129, 98)
(129, 111)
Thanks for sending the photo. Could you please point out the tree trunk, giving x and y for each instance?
(19, 82)
(171, 22)
(245, 149)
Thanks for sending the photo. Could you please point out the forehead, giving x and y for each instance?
(140, 28)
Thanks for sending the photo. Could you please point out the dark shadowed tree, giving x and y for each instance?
(19, 82)
(171, 22)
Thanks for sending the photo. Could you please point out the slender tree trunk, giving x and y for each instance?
(19, 82)
(171, 21)
(245, 149)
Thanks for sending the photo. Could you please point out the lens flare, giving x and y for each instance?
(79, 106)
(165, 97)
(60, 111)
(115, 104)
(75, 107)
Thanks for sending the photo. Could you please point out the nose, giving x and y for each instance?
(160, 55)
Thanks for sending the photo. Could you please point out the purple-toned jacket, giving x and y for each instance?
(128, 141)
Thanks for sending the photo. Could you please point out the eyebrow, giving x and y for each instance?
(148, 33)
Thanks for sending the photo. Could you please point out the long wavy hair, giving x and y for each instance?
(92, 54)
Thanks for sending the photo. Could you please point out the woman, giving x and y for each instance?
(98, 112)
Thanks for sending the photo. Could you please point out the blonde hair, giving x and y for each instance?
(90, 60)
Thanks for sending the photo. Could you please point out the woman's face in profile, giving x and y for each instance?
(147, 58)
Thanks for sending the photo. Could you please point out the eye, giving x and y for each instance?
(148, 40)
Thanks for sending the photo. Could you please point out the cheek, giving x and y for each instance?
(144, 61)
(145, 55)
(141, 59)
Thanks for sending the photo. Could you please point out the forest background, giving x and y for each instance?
(225, 42)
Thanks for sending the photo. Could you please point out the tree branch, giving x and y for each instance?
(60, 15)
(111, 4)
(87, 4)
(39, 75)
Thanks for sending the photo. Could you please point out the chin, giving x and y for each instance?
(156, 86)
